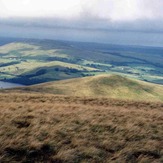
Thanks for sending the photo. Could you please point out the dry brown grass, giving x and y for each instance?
(49, 128)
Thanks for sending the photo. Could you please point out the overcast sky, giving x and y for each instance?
(112, 21)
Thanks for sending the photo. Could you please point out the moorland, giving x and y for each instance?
(38, 127)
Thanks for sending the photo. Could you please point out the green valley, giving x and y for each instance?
(36, 61)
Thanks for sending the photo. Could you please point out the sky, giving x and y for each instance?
(135, 22)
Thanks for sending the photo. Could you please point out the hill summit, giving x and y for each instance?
(112, 86)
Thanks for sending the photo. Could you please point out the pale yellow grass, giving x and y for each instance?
(16, 46)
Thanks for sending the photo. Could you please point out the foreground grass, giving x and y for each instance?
(48, 128)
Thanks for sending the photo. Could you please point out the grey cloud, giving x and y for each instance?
(88, 27)
(87, 23)
(113, 37)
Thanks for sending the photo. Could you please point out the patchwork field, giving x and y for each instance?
(36, 61)
(29, 64)
(49, 128)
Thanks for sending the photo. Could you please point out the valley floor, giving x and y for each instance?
(48, 128)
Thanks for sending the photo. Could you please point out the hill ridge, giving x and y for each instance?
(111, 86)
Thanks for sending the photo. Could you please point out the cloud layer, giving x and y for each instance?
(144, 16)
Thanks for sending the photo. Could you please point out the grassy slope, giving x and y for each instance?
(48, 128)
(113, 86)
(20, 60)
(25, 67)
(5, 49)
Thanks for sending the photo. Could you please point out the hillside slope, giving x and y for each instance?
(37, 127)
(112, 86)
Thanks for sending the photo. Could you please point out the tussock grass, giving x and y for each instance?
(50, 128)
